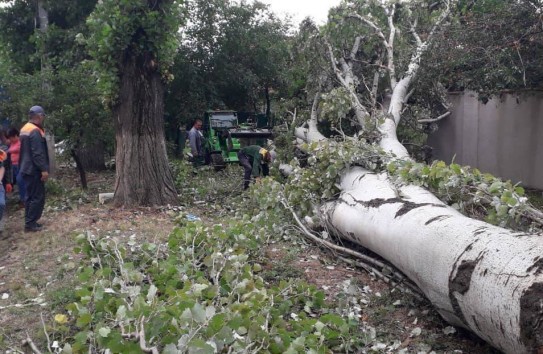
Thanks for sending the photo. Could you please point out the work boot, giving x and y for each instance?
(34, 228)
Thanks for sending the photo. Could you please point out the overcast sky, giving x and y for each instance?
(300, 9)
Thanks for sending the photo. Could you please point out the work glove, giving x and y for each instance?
(9, 187)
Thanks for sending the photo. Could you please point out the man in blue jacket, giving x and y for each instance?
(34, 167)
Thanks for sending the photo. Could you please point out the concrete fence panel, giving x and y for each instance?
(503, 137)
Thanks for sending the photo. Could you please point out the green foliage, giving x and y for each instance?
(201, 292)
(54, 187)
(63, 85)
(232, 54)
(336, 107)
(316, 183)
(490, 46)
(77, 113)
(468, 190)
(147, 30)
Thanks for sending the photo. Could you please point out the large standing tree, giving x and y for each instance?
(133, 43)
(479, 276)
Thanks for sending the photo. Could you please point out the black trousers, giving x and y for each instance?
(247, 163)
(35, 199)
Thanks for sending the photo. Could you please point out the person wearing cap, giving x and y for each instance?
(34, 167)
(255, 160)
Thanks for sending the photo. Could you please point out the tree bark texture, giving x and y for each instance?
(480, 277)
(92, 156)
(80, 168)
(143, 176)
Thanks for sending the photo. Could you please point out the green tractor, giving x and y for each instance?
(225, 135)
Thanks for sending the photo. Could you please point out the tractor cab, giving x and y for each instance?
(225, 135)
(219, 144)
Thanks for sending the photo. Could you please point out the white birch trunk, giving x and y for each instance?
(480, 277)
(310, 132)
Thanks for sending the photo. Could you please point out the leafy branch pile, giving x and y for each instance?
(471, 192)
(466, 189)
(309, 186)
(200, 293)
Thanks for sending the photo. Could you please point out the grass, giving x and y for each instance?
(535, 197)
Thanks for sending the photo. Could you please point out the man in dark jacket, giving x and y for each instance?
(255, 160)
(34, 167)
(196, 143)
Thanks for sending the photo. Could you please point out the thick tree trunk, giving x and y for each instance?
(478, 276)
(80, 168)
(143, 176)
(92, 156)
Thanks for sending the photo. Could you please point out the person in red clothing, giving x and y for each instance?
(15, 151)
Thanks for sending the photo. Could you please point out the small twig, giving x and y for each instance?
(404, 286)
(91, 243)
(28, 341)
(143, 345)
(46, 334)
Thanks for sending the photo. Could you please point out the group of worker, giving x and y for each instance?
(254, 159)
(24, 160)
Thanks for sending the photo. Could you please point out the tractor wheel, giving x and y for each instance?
(218, 162)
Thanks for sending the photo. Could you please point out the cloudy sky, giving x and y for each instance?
(299, 9)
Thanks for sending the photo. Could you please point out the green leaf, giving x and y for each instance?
(170, 349)
(121, 313)
(198, 346)
(83, 320)
(151, 293)
(67, 349)
(198, 313)
(104, 331)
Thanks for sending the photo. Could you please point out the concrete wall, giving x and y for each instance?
(503, 137)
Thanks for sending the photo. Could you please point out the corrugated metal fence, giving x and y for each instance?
(503, 137)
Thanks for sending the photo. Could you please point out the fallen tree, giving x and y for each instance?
(479, 276)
